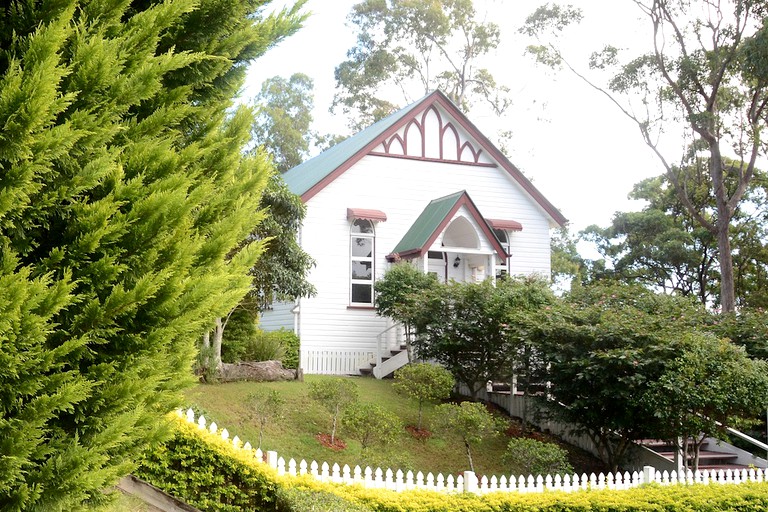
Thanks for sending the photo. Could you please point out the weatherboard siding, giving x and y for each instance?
(279, 316)
(401, 188)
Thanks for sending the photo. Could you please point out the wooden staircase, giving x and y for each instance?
(711, 456)
(397, 359)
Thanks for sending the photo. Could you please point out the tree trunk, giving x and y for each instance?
(218, 335)
(724, 256)
(727, 292)
(469, 456)
(333, 430)
(205, 353)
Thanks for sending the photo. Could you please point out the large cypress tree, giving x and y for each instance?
(124, 199)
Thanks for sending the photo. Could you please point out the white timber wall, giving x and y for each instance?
(401, 188)
(279, 316)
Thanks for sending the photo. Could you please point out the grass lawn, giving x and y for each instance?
(294, 435)
(125, 503)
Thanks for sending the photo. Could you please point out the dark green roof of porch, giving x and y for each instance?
(427, 223)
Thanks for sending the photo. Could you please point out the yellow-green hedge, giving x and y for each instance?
(211, 474)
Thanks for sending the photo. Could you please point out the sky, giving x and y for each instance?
(570, 141)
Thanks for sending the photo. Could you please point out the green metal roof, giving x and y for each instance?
(427, 223)
(306, 175)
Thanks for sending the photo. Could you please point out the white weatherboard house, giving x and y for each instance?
(425, 186)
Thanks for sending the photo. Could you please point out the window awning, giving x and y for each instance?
(509, 225)
(366, 214)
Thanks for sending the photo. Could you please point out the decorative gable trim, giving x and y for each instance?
(447, 146)
(374, 137)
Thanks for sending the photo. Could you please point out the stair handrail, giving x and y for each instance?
(745, 437)
(379, 338)
(741, 435)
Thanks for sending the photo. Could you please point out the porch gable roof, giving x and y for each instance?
(434, 219)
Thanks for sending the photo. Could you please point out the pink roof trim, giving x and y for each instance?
(511, 225)
(367, 214)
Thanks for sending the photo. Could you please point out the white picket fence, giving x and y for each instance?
(469, 482)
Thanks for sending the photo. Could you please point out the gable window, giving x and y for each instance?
(501, 267)
(361, 254)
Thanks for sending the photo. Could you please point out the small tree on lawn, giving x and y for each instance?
(470, 421)
(423, 382)
(371, 424)
(335, 395)
(268, 406)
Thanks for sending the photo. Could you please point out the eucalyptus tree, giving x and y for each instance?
(705, 73)
(406, 49)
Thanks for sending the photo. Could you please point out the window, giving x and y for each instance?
(502, 264)
(362, 250)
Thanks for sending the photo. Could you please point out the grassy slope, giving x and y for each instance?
(294, 435)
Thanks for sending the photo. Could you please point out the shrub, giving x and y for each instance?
(532, 457)
(335, 395)
(371, 424)
(205, 474)
(267, 406)
(299, 499)
(282, 345)
(290, 343)
(240, 332)
(423, 382)
(469, 421)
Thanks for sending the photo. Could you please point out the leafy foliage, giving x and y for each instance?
(469, 421)
(481, 332)
(267, 407)
(124, 202)
(335, 395)
(664, 247)
(423, 382)
(606, 348)
(416, 46)
(281, 273)
(207, 474)
(283, 119)
(747, 328)
(702, 84)
(371, 424)
(534, 457)
(711, 384)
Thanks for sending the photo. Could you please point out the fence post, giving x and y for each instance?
(649, 474)
(272, 459)
(470, 482)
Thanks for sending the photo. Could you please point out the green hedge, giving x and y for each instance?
(201, 470)
(209, 473)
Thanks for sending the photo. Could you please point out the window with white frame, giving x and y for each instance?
(502, 264)
(361, 254)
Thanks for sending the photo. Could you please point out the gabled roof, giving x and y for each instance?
(308, 178)
(434, 219)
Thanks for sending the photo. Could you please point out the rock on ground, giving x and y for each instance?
(255, 371)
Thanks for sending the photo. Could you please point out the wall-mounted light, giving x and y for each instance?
(456, 262)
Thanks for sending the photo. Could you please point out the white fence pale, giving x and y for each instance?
(468, 482)
(335, 362)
